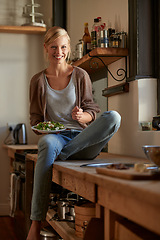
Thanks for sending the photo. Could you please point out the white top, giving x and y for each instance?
(61, 102)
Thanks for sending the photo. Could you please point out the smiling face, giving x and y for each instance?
(58, 50)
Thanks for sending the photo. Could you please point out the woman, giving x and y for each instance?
(63, 93)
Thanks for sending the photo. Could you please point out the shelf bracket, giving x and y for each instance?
(120, 72)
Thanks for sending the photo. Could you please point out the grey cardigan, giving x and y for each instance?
(84, 97)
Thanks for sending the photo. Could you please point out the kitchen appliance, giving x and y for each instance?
(20, 134)
(21, 192)
(34, 18)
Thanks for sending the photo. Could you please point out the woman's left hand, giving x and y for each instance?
(80, 116)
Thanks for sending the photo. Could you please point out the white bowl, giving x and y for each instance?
(153, 153)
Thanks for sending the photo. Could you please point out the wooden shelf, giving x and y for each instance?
(116, 89)
(22, 29)
(61, 227)
(109, 55)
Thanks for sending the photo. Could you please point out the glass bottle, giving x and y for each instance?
(86, 40)
(112, 42)
(95, 33)
(101, 27)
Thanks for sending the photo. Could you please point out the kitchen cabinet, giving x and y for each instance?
(22, 29)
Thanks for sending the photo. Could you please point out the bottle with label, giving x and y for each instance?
(101, 25)
(104, 40)
(86, 40)
(112, 42)
(95, 34)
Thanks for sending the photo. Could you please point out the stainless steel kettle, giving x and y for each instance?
(20, 134)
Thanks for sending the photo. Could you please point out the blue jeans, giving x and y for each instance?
(70, 144)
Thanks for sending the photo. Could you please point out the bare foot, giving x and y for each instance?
(34, 232)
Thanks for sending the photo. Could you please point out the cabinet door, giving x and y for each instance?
(127, 230)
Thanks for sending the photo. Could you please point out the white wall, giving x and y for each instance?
(21, 56)
(114, 13)
(11, 12)
(137, 105)
(130, 139)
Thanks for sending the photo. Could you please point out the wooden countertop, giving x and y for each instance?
(11, 149)
(137, 200)
(20, 147)
(147, 190)
(144, 190)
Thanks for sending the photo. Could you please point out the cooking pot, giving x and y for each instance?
(69, 217)
(48, 234)
(66, 205)
(71, 210)
(53, 200)
(62, 208)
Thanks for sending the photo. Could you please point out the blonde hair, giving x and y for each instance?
(55, 32)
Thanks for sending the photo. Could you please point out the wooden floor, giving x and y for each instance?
(7, 230)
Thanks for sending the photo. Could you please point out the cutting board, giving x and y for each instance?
(129, 174)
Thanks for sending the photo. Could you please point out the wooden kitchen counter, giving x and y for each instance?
(82, 180)
(136, 200)
(123, 202)
(11, 149)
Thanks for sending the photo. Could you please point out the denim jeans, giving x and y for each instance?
(70, 144)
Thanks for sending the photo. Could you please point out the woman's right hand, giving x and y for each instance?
(80, 116)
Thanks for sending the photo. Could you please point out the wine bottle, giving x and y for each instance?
(86, 40)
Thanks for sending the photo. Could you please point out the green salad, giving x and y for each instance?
(48, 126)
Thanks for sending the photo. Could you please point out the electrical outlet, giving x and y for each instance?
(11, 126)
